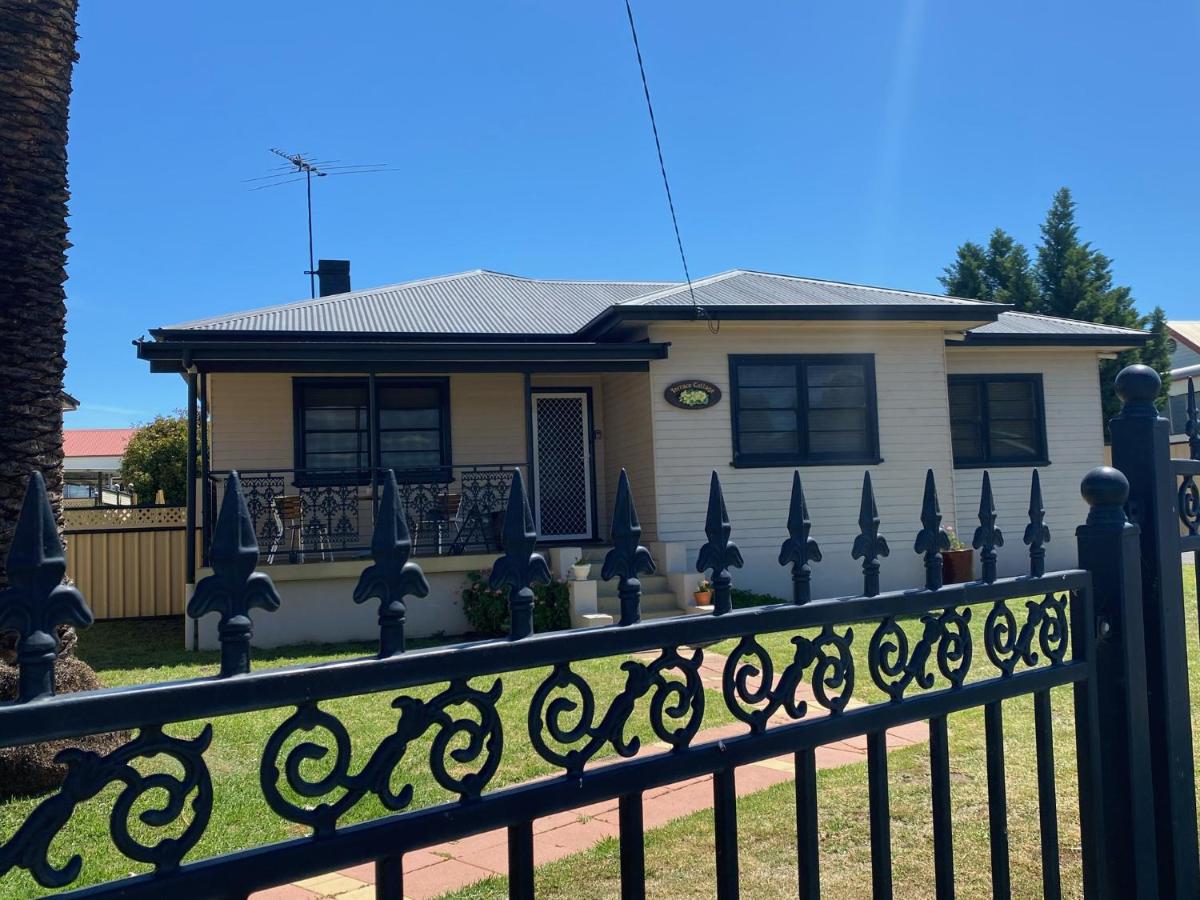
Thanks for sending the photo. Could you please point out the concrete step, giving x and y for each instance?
(651, 584)
(650, 603)
(595, 553)
(671, 614)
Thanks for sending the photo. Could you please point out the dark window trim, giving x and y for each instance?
(1039, 398)
(443, 472)
(771, 460)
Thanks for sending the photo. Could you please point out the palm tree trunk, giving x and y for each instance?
(37, 53)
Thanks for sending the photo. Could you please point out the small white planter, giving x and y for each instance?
(579, 571)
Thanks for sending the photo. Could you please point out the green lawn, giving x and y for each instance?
(142, 652)
(679, 856)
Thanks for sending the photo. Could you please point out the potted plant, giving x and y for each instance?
(703, 592)
(580, 570)
(958, 563)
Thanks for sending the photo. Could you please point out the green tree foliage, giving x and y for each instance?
(1069, 278)
(1157, 352)
(156, 459)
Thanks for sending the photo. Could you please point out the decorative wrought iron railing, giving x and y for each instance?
(302, 515)
(1037, 635)
(931, 651)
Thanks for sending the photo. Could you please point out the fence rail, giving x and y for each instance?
(1089, 628)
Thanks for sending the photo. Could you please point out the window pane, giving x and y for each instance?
(400, 397)
(398, 460)
(1014, 440)
(410, 418)
(766, 376)
(331, 441)
(767, 420)
(837, 420)
(767, 398)
(965, 441)
(349, 395)
(410, 440)
(844, 443)
(821, 375)
(335, 460)
(334, 419)
(837, 397)
(768, 442)
(964, 401)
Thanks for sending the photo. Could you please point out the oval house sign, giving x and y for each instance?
(693, 394)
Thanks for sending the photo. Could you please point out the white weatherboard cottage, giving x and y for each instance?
(454, 381)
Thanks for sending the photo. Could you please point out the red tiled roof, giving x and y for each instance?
(95, 441)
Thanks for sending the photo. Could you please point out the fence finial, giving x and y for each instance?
(235, 587)
(987, 536)
(799, 549)
(931, 539)
(719, 553)
(1138, 386)
(36, 601)
(870, 545)
(393, 577)
(519, 567)
(1037, 535)
(1105, 489)
(1192, 427)
(628, 558)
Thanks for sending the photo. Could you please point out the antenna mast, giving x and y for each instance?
(298, 164)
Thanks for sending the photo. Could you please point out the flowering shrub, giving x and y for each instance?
(487, 609)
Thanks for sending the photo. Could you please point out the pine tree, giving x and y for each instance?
(965, 276)
(1157, 352)
(1000, 273)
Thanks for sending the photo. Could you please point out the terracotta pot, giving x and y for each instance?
(958, 566)
(703, 598)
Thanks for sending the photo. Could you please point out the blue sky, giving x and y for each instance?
(858, 142)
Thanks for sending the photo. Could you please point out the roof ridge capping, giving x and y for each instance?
(733, 273)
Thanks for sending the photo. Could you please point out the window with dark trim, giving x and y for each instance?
(804, 410)
(335, 425)
(1177, 413)
(997, 420)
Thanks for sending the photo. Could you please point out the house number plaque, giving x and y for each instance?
(693, 394)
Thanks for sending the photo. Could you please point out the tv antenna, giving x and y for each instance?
(302, 167)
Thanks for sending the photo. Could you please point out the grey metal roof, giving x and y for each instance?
(476, 302)
(1015, 323)
(741, 287)
(487, 303)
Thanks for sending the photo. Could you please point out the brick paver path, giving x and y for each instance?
(435, 870)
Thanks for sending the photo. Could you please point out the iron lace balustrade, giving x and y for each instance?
(321, 515)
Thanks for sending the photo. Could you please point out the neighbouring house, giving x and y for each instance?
(1185, 364)
(455, 381)
(92, 465)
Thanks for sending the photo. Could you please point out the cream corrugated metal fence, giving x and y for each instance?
(129, 562)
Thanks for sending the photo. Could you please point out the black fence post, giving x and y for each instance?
(1141, 450)
(1108, 548)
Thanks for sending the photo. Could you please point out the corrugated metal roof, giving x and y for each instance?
(477, 302)
(746, 288)
(481, 302)
(1023, 323)
(96, 441)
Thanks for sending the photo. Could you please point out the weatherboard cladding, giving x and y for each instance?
(491, 303)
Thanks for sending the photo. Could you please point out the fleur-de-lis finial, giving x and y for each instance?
(719, 553)
(627, 559)
(987, 536)
(931, 539)
(1036, 532)
(870, 545)
(234, 588)
(799, 549)
(393, 577)
(36, 601)
(519, 567)
(1192, 427)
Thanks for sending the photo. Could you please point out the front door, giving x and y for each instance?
(562, 464)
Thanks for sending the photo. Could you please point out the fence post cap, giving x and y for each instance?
(1105, 487)
(1138, 386)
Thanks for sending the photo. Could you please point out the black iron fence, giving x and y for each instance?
(1093, 628)
(305, 515)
